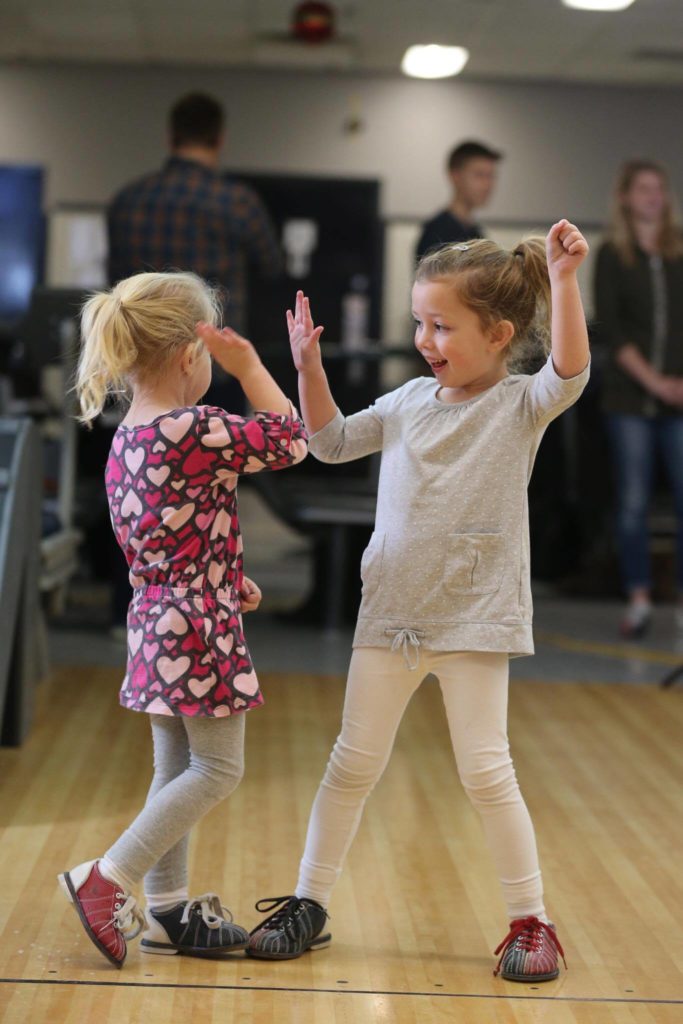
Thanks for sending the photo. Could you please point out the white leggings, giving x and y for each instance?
(475, 691)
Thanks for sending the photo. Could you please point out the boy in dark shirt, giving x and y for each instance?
(472, 169)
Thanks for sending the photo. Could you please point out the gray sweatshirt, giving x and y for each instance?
(447, 566)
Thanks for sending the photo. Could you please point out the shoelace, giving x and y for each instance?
(411, 641)
(285, 917)
(128, 917)
(212, 911)
(528, 933)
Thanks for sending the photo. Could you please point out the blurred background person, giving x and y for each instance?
(472, 170)
(190, 216)
(639, 310)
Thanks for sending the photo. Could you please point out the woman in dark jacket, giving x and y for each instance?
(639, 310)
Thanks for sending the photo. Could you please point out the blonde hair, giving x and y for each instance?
(621, 232)
(499, 284)
(134, 330)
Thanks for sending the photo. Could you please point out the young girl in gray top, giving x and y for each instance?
(446, 574)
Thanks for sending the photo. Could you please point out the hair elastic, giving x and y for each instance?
(461, 247)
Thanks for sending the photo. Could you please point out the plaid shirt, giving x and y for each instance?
(189, 217)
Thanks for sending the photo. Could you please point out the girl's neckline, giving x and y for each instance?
(467, 401)
(153, 423)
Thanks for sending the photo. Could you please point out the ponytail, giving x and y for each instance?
(499, 284)
(107, 355)
(134, 331)
(534, 271)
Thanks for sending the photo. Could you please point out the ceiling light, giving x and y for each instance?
(434, 61)
(598, 5)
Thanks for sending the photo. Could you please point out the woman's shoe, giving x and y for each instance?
(198, 927)
(636, 621)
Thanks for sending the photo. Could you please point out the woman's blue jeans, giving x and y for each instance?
(636, 442)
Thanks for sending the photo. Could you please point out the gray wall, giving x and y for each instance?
(96, 127)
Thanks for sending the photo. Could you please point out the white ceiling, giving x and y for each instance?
(506, 38)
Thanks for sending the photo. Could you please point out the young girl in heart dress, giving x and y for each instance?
(171, 481)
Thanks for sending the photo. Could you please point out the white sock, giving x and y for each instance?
(517, 915)
(163, 901)
(305, 896)
(114, 874)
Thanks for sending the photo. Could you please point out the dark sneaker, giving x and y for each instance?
(108, 914)
(293, 929)
(529, 951)
(198, 927)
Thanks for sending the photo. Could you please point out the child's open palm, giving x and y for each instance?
(566, 249)
(303, 336)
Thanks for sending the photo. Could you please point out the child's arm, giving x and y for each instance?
(332, 438)
(566, 249)
(239, 358)
(318, 407)
(275, 437)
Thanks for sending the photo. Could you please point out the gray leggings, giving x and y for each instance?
(197, 763)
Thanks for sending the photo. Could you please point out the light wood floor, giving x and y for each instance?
(417, 912)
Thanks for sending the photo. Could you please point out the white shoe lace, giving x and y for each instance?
(128, 917)
(213, 913)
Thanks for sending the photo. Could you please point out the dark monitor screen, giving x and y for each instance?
(22, 238)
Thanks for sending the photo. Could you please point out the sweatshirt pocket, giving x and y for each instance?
(474, 563)
(371, 564)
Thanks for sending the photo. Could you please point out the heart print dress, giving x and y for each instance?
(171, 486)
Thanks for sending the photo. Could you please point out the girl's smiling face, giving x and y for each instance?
(463, 355)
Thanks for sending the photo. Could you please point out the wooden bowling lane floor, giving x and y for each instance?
(417, 911)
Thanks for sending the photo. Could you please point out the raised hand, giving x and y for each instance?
(234, 353)
(566, 249)
(304, 337)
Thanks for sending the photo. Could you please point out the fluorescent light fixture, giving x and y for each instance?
(434, 61)
(598, 5)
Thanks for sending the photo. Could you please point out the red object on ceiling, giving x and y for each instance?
(313, 21)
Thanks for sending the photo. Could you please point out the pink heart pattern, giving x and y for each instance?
(158, 475)
(171, 488)
(134, 458)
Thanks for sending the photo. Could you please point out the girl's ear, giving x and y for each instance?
(189, 357)
(502, 334)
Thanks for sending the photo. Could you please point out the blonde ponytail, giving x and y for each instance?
(107, 355)
(133, 331)
(499, 284)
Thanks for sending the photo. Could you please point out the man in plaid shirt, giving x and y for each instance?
(188, 216)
